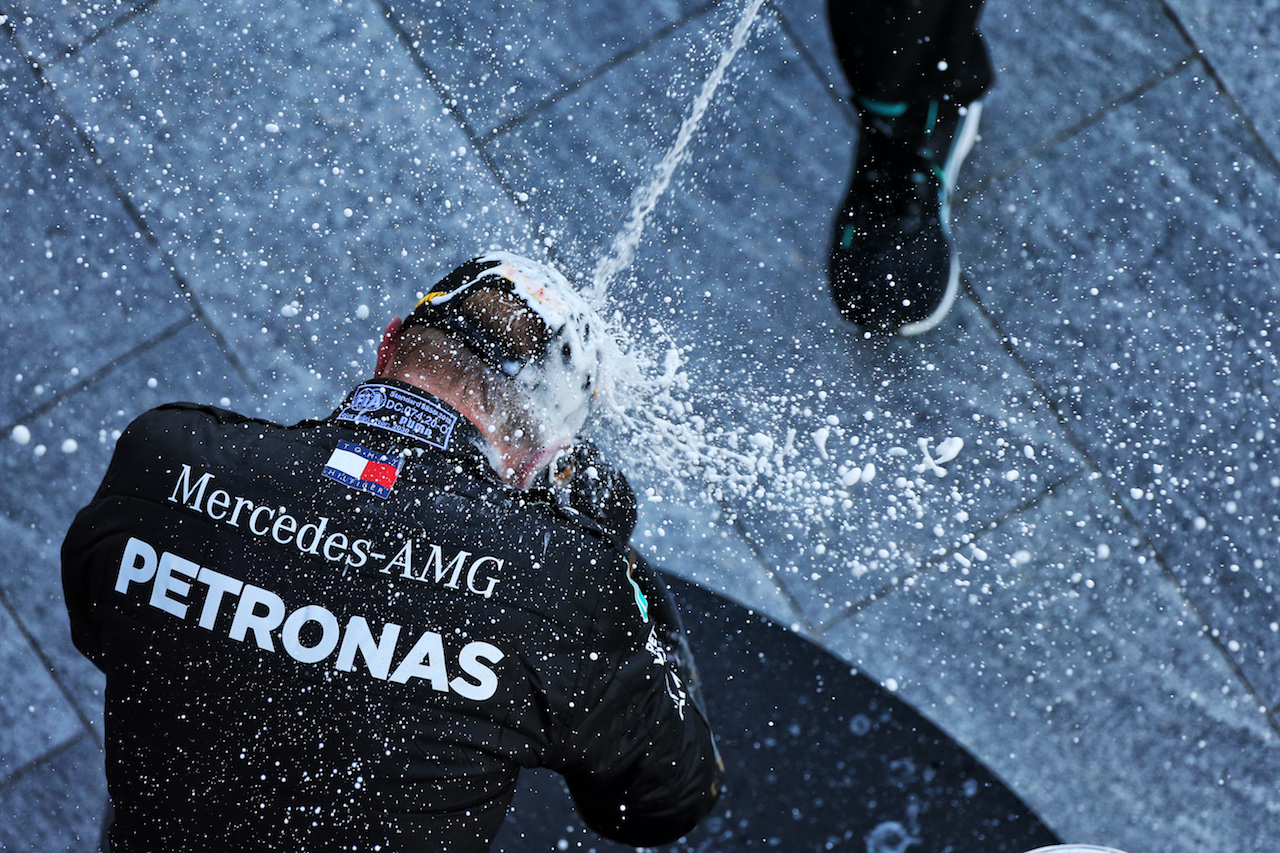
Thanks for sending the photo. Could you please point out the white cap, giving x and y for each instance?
(564, 379)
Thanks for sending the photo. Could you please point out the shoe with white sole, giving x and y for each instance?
(892, 268)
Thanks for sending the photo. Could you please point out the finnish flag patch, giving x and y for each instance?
(361, 468)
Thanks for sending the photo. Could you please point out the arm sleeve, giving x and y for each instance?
(92, 525)
(132, 461)
(76, 591)
(650, 767)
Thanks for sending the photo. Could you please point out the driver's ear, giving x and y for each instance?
(387, 347)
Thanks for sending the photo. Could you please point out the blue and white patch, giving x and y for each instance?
(393, 409)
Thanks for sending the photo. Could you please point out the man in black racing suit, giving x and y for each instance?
(351, 633)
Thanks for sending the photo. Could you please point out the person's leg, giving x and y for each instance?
(911, 50)
(917, 69)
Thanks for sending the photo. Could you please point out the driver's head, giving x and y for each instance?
(539, 344)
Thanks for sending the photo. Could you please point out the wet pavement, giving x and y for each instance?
(225, 202)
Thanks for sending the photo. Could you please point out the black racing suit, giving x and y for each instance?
(348, 634)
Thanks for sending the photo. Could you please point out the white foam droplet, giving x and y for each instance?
(820, 437)
(949, 450)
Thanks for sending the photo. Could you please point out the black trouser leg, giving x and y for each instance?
(892, 50)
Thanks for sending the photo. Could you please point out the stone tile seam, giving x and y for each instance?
(46, 757)
(450, 104)
(554, 98)
(85, 382)
(830, 86)
(1094, 470)
(817, 631)
(134, 212)
(97, 163)
(447, 98)
(119, 20)
(479, 142)
(1211, 69)
(619, 59)
(1118, 501)
(1039, 151)
(47, 663)
(798, 621)
(936, 558)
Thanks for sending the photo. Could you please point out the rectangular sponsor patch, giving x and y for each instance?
(364, 469)
(393, 409)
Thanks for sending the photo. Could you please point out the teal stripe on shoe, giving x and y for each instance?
(884, 109)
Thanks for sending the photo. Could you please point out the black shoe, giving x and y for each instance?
(892, 268)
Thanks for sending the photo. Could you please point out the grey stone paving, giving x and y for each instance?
(224, 202)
